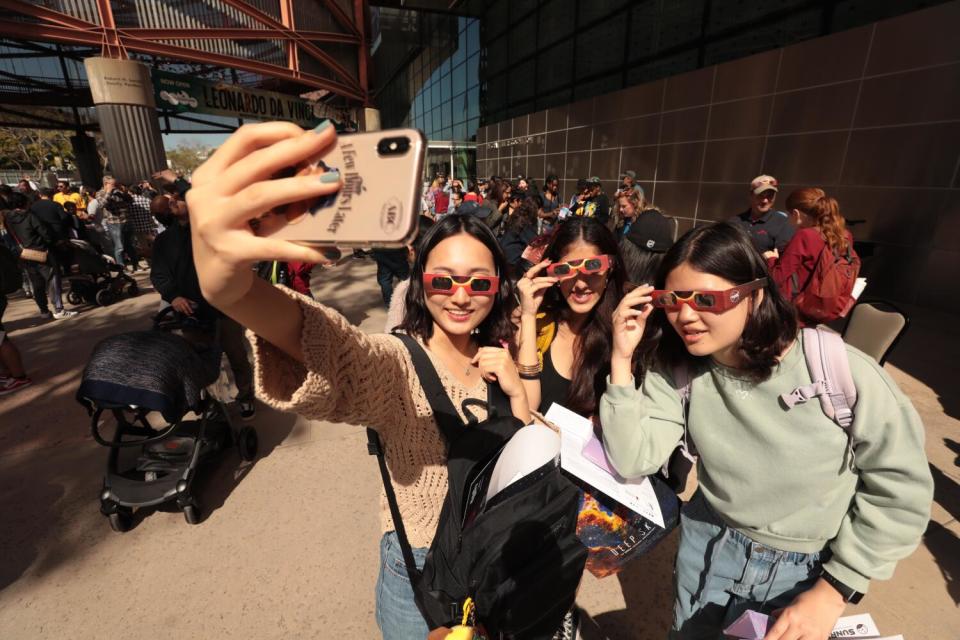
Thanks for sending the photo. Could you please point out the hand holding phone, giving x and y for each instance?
(378, 205)
(234, 186)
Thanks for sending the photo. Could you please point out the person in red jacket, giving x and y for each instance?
(817, 218)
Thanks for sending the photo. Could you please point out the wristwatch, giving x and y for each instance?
(847, 593)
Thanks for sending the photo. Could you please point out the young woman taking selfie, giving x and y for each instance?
(784, 518)
(311, 360)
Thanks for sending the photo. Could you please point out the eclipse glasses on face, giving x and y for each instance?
(446, 284)
(713, 301)
(587, 266)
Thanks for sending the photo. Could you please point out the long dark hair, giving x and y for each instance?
(496, 327)
(725, 250)
(594, 346)
(525, 216)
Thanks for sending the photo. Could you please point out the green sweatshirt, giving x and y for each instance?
(779, 476)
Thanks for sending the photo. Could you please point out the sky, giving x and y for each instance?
(171, 140)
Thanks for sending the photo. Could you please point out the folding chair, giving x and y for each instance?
(875, 327)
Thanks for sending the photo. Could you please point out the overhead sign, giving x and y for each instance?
(184, 93)
(115, 81)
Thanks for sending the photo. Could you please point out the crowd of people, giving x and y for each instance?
(595, 304)
(141, 226)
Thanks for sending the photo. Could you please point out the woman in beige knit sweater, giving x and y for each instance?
(311, 360)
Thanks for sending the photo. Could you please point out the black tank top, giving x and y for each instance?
(553, 386)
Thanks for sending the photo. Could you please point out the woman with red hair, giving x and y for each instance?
(819, 224)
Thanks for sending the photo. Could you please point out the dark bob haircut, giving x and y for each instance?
(725, 250)
(496, 327)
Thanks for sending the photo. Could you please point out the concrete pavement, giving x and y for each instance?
(288, 547)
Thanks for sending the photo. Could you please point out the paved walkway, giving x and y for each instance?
(288, 548)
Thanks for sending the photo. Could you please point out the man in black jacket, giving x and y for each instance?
(174, 276)
(31, 232)
(50, 212)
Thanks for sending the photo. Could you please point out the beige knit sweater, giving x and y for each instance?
(350, 376)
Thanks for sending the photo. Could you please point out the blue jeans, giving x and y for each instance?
(115, 231)
(721, 573)
(396, 611)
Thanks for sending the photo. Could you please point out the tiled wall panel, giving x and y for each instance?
(871, 114)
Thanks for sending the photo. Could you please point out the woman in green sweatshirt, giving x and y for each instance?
(780, 520)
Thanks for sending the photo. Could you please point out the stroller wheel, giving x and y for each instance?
(121, 520)
(247, 443)
(191, 513)
(73, 297)
(104, 297)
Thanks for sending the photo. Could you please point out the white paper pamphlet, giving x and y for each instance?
(858, 286)
(858, 626)
(575, 431)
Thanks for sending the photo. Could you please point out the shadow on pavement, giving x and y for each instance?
(647, 584)
(927, 351)
(943, 543)
(51, 470)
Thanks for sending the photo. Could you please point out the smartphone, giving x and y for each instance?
(379, 203)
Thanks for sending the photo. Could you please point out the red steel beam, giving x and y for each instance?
(236, 34)
(71, 36)
(341, 16)
(358, 12)
(109, 30)
(49, 15)
(286, 17)
(317, 53)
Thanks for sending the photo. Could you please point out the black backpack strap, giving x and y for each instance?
(375, 448)
(450, 425)
(444, 412)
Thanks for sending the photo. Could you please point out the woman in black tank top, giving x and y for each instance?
(567, 302)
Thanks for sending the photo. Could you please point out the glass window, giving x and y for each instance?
(435, 116)
(472, 125)
(427, 101)
(418, 103)
(592, 59)
(459, 80)
(445, 86)
(554, 67)
(446, 134)
(473, 68)
(459, 108)
(460, 54)
(473, 37)
(445, 115)
(473, 103)
(435, 90)
(460, 132)
(445, 67)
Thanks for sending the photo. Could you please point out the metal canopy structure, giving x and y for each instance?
(288, 46)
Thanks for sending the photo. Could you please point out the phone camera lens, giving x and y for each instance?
(393, 146)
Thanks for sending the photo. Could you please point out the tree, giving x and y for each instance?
(187, 156)
(34, 150)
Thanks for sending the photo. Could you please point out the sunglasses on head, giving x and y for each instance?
(714, 301)
(596, 264)
(445, 284)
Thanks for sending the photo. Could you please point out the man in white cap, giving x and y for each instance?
(769, 229)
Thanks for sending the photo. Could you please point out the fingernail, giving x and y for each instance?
(330, 176)
(323, 126)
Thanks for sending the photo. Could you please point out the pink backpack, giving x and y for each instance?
(826, 356)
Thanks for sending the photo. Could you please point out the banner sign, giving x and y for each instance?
(119, 81)
(184, 93)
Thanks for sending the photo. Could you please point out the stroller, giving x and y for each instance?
(151, 380)
(95, 278)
